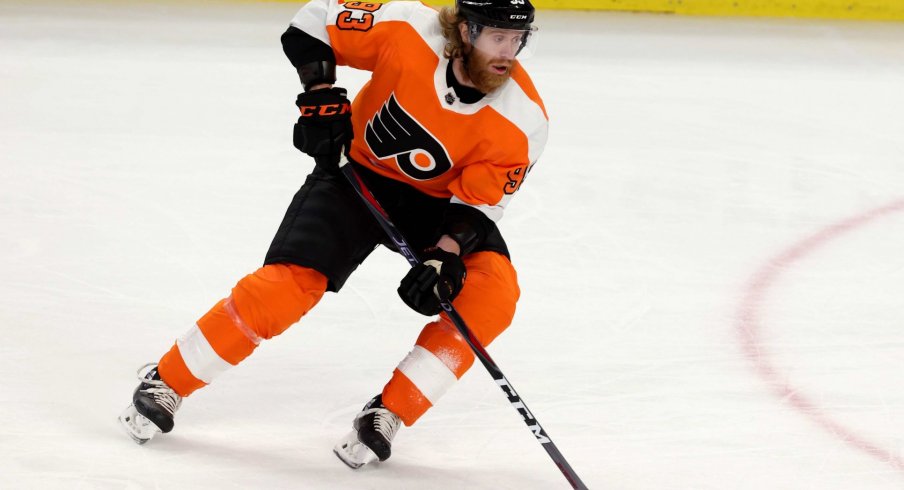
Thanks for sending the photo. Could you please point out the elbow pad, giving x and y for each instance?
(313, 58)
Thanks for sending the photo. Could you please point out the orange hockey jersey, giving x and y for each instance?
(409, 125)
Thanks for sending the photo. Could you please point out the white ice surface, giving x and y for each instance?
(145, 161)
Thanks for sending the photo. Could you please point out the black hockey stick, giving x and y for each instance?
(532, 423)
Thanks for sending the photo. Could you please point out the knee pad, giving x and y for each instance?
(276, 296)
(487, 301)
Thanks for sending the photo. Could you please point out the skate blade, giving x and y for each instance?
(137, 426)
(354, 454)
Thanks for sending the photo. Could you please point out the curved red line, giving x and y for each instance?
(754, 349)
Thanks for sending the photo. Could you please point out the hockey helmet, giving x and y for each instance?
(505, 14)
(513, 16)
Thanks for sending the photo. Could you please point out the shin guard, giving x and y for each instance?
(262, 305)
(441, 355)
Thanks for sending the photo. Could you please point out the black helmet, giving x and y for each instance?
(504, 14)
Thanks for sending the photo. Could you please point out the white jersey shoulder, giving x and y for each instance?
(315, 16)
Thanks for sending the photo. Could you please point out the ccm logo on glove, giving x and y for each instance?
(324, 128)
(324, 110)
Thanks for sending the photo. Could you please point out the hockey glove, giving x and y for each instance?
(438, 278)
(325, 125)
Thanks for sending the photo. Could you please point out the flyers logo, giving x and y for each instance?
(394, 133)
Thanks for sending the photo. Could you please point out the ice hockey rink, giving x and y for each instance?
(710, 252)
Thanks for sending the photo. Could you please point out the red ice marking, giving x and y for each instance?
(748, 325)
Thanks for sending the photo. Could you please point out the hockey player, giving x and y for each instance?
(444, 132)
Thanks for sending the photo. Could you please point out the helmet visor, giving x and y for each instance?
(502, 43)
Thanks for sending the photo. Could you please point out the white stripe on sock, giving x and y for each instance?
(200, 358)
(431, 376)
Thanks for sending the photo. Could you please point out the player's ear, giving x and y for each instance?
(463, 30)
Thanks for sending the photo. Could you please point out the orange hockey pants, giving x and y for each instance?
(265, 303)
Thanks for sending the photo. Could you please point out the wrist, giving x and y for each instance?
(317, 73)
(449, 244)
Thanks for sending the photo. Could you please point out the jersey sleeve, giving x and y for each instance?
(358, 32)
(490, 186)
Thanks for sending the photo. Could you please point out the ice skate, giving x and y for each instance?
(371, 439)
(153, 406)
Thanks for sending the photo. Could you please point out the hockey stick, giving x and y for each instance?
(532, 423)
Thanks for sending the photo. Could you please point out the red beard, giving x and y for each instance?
(480, 69)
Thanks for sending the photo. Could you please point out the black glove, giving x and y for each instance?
(439, 277)
(325, 125)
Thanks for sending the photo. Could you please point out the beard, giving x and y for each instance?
(480, 70)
